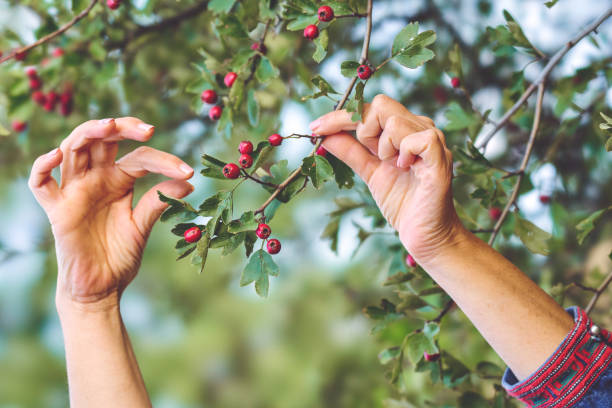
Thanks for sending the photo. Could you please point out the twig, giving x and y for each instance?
(468, 96)
(265, 183)
(257, 57)
(447, 308)
(52, 35)
(583, 287)
(601, 289)
(360, 15)
(349, 89)
(521, 171)
(542, 76)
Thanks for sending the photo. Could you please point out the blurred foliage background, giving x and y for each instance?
(203, 341)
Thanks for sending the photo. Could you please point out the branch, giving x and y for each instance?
(447, 308)
(601, 289)
(52, 35)
(265, 183)
(162, 25)
(340, 105)
(521, 171)
(542, 77)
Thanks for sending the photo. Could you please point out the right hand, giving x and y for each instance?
(99, 237)
(404, 160)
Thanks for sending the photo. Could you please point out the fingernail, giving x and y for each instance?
(53, 152)
(106, 121)
(146, 127)
(401, 163)
(186, 169)
(314, 125)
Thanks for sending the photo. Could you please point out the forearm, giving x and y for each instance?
(102, 368)
(522, 323)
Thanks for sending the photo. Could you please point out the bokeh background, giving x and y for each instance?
(202, 340)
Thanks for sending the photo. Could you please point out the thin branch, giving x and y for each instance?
(583, 287)
(542, 76)
(52, 35)
(340, 105)
(468, 96)
(521, 171)
(257, 57)
(359, 15)
(601, 289)
(447, 308)
(265, 183)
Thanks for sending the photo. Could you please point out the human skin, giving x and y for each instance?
(403, 159)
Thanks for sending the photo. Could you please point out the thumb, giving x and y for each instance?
(149, 208)
(346, 148)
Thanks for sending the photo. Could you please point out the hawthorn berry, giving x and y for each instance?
(58, 52)
(364, 72)
(455, 82)
(66, 97)
(311, 32)
(209, 96)
(495, 213)
(31, 72)
(35, 83)
(19, 126)
(321, 151)
(544, 199)
(245, 161)
(39, 97)
(66, 109)
(231, 171)
(430, 358)
(273, 246)
(49, 106)
(325, 14)
(245, 147)
(192, 235)
(229, 79)
(215, 112)
(275, 139)
(113, 4)
(20, 56)
(410, 261)
(263, 231)
(259, 47)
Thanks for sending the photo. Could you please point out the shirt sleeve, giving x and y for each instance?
(578, 374)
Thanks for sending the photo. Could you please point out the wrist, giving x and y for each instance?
(455, 245)
(67, 305)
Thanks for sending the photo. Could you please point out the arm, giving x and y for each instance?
(405, 162)
(99, 239)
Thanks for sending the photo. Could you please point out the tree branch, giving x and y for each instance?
(542, 77)
(521, 171)
(340, 105)
(52, 35)
(601, 289)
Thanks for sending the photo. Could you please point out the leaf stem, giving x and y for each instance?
(601, 289)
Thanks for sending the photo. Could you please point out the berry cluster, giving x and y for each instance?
(49, 100)
(326, 14)
(210, 97)
(113, 4)
(263, 231)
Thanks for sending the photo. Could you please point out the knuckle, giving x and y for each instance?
(393, 123)
(380, 100)
(143, 150)
(426, 120)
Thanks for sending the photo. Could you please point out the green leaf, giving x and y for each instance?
(398, 278)
(517, 33)
(454, 57)
(323, 85)
(587, 225)
(321, 43)
(343, 174)
(414, 57)
(184, 252)
(458, 119)
(266, 71)
(409, 48)
(387, 355)
(221, 6)
(213, 167)
(404, 37)
(551, 3)
(78, 5)
(180, 229)
(177, 209)
(349, 68)
(331, 232)
(470, 399)
(209, 206)
(201, 253)
(230, 26)
(486, 369)
(246, 222)
(318, 169)
(410, 301)
(252, 108)
(534, 238)
(234, 242)
(416, 344)
(257, 270)
(301, 22)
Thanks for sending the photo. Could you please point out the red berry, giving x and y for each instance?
(495, 213)
(229, 79)
(49, 106)
(245, 161)
(321, 151)
(39, 97)
(192, 235)
(35, 83)
(275, 139)
(311, 32)
(430, 358)
(66, 109)
(263, 231)
(325, 13)
(215, 112)
(20, 56)
(364, 72)
(231, 171)
(113, 4)
(209, 96)
(410, 261)
(273, 246)
(259, 47)
(245, 147)
(19, 126)
(455, 82)
(66, 97)
(31, 72)
(58, 52)
(544, 199)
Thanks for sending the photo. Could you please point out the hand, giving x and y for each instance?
(99, 238)
(404, 161)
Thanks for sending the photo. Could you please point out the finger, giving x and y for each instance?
(334, 122)
(41, 183)
(396, 129)
(103, 151)
(149, 208)
(123, 128)
(426, 145)
(145, 160)
(350, 151)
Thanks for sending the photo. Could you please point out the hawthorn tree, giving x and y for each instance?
(232, 65)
